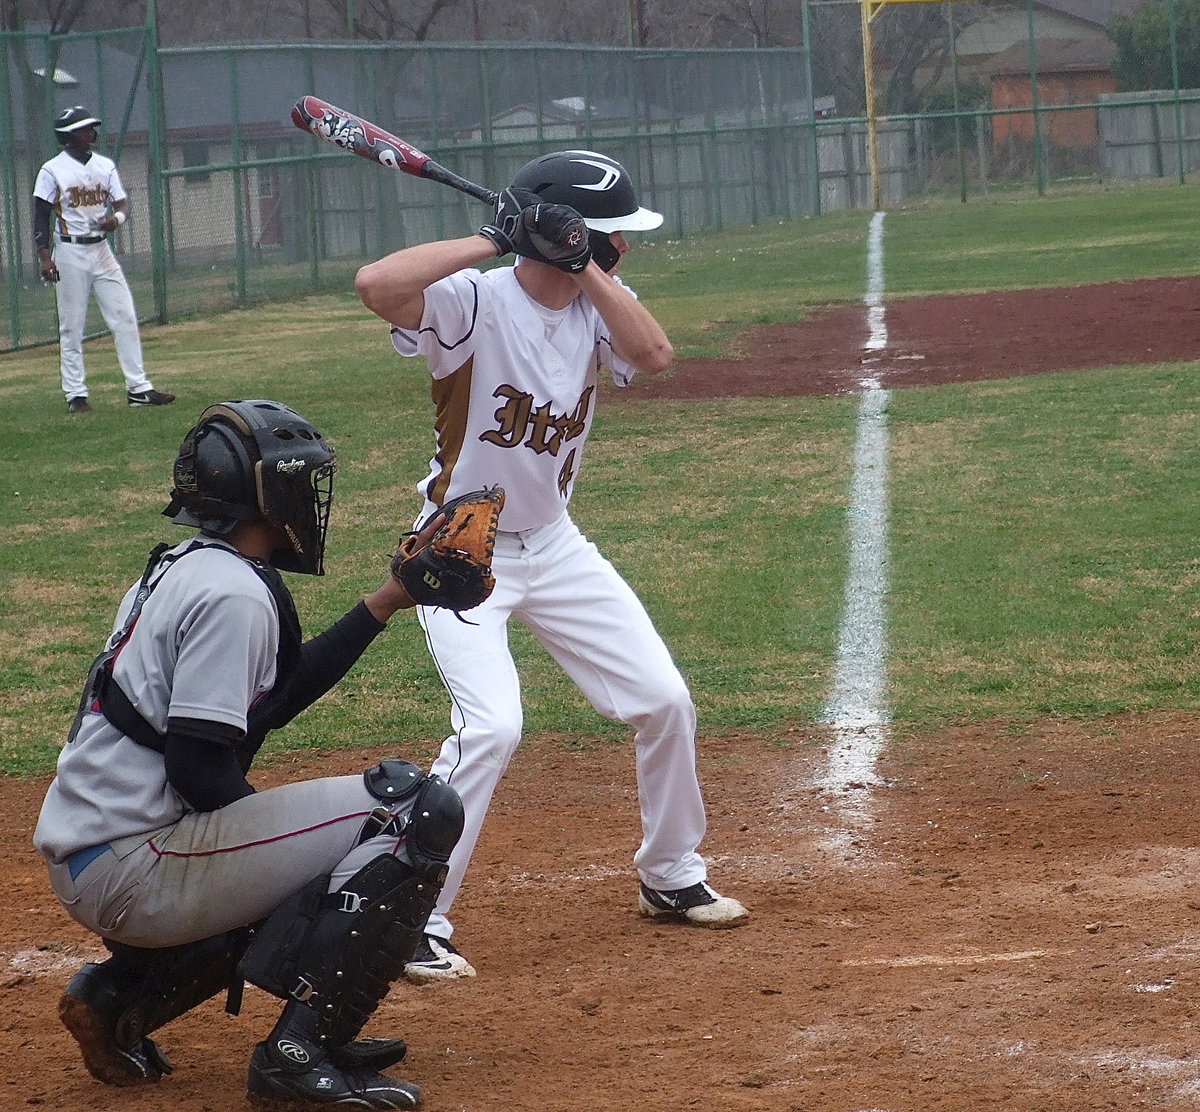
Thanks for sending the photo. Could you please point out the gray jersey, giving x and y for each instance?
(204, 647)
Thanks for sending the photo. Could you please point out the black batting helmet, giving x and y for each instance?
(74, 119)
(597, 187)
(257, 460)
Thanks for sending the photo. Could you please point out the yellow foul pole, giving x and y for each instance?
(870, 9)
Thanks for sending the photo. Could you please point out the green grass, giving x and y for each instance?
(1043, 528)
(1043, 545)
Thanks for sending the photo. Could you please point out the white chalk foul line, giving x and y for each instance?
(918, 960)
(857, 706)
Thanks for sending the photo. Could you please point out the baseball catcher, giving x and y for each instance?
(316, 891)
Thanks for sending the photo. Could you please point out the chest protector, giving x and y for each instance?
(102, 693)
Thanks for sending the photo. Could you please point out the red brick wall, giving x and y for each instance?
(1064, 129)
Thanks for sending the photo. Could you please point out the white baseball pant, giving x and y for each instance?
(555, 582)
(84, 269)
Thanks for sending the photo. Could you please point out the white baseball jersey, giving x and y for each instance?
(514, 385)
(80, 192)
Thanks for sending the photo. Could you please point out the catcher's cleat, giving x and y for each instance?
(294, 1072)
(435, 959)
(697, 904)
(370, 1053)
(89, 1009)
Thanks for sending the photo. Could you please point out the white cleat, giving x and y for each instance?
(435, 959)
(697, 904)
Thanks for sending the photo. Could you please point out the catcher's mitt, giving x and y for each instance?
(454, 570)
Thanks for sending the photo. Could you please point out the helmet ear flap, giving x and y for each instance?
(604, 254)
(215, 487)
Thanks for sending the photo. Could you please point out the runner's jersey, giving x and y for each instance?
(514, 387)
(204, 647)
(79, 191)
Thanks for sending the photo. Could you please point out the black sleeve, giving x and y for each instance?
(202, 763)
(324, 660)
(41, 222)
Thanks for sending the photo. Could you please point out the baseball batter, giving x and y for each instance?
(78, 200)
(515, 353)
(316, 891)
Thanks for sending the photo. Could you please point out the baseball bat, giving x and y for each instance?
(365, 139)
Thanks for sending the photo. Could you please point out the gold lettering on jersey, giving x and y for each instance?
(81, 197)
(566, 474)
(520, 422)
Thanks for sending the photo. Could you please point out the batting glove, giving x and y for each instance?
(503, 230)
(553, 234)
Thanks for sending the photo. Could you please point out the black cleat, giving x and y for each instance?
(291, 1070)
(149, 397)
(90, 1008)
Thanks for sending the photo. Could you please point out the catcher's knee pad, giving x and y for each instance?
(434, 827)
(435, 820)
(153, 987)
(392, 781)
(339, 952)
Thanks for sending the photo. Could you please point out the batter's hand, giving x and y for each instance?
(504, 229)
(554, 234)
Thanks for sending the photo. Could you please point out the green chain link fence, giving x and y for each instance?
(232, 205)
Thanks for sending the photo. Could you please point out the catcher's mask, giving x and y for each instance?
(597, 187)
(252, 460)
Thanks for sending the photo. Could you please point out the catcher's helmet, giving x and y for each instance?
(74, 119)
(257, 460)
(597, 187)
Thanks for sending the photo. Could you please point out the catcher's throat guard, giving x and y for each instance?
(454, 570)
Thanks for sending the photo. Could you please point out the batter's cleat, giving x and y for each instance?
(283, 1070)
(78, 405)
(89, 1009)
(435, 959)
(149, 397)
(697, 904)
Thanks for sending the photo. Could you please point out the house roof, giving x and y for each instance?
(1093, 11)
(1055, 56)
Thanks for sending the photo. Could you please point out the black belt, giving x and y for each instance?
(81, 239)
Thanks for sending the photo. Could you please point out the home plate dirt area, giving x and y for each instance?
(1010, 923)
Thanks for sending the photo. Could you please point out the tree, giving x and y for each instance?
(912, 52)
(1144, 45)
(35, 53)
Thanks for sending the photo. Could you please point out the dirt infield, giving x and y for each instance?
(1011, 923)
(960, 338)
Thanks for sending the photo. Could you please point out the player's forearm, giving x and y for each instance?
(41, 227)
(394, 287)
(636, 336)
